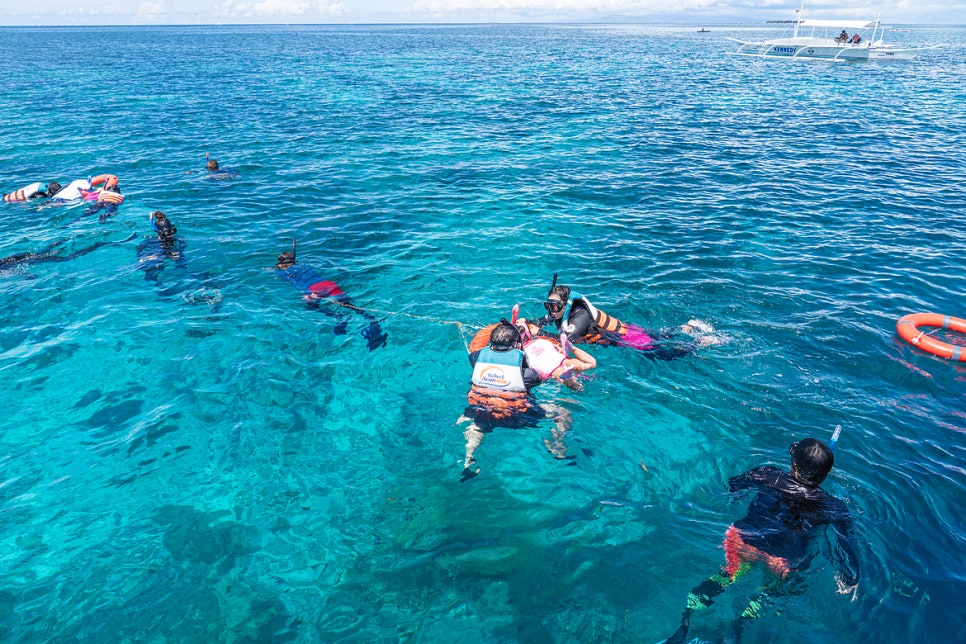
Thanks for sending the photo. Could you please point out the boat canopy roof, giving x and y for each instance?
(844, 24)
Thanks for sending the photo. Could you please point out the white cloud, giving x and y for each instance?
(153, 11)
(265, 8)
(334, 9)
(558, 6)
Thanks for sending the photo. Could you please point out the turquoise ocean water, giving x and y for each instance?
(173, 473)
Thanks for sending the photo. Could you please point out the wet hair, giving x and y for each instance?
(813, 460)
(285, 258)
(163, 225)
(212, 165)
(504, 337)
(53, 188)
(561, 291)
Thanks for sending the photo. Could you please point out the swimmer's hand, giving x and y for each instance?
(565, 345)
(846, 589)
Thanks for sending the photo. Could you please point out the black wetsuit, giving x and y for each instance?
(583, 324)
(52, 254)
(154, 256)
(784, 515)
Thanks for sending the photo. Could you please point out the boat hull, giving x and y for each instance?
(823, 49)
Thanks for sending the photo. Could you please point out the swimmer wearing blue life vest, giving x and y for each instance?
(500, 396)
(319, 294)
(780, 529)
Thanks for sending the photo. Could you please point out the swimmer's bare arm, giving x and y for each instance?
(582, 361)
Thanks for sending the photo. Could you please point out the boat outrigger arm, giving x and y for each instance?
(806, 43)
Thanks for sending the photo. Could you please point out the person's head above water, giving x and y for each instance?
(504, 337)
(557, 300)
(163, 225)
(285, 260)
(53, 188)
(212, 165)
(812, 460)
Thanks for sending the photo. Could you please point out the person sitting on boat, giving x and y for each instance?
(842, 37)
(856, 39)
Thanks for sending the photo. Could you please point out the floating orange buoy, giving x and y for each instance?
(482, 337)
(908, 328)
(109, 181)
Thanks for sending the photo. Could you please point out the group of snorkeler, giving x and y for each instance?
(789, 510)
(163, 249)
(511, 358)
(103, 190)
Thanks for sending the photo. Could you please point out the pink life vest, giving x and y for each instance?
(543, 356)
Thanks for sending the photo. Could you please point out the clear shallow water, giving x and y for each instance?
(170, 473)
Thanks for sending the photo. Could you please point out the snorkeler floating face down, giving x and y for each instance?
(285, 260)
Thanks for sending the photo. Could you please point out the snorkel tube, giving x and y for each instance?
(835, 438)
(294, 254)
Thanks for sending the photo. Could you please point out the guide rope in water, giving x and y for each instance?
(462, 327)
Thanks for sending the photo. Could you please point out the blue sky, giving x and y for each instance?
(87, 12)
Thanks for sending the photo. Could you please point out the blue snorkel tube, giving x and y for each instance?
(835, 437)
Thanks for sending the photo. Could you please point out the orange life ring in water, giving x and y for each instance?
(109, 181)
(482, 337)
(908, 329)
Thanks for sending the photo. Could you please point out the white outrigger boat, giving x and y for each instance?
(828, 45)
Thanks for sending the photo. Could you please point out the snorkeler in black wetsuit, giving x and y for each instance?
(154, 253)
(52, 253)
(574, 315)
(780, 530)
(315, 290)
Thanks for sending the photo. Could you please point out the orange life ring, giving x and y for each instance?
(482, 337)
(109, 181)
(908, 329)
